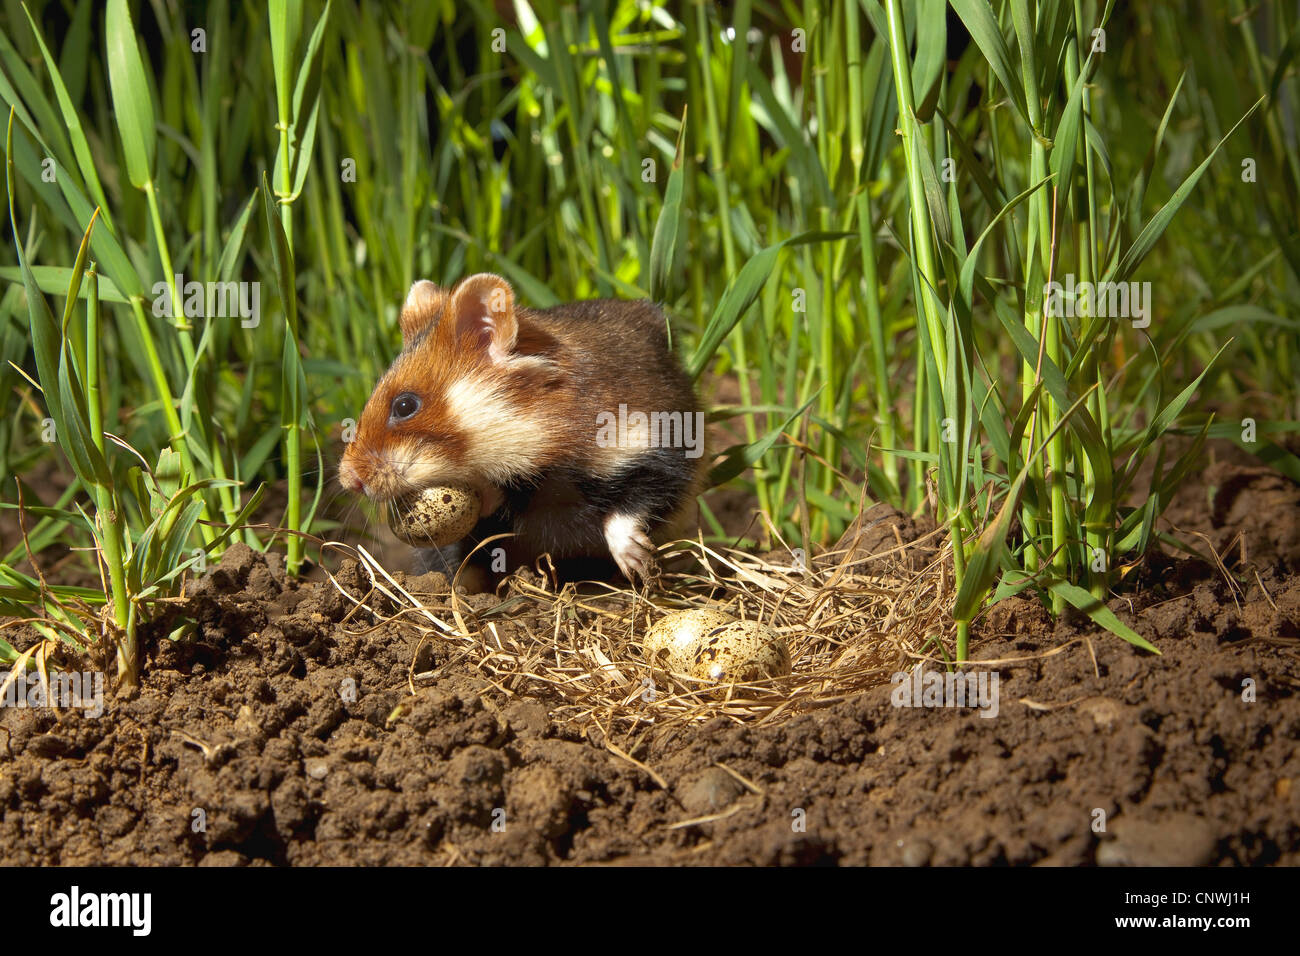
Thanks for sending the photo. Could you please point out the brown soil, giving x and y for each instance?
(245, 745)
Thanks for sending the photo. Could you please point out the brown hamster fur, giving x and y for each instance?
(576, 423)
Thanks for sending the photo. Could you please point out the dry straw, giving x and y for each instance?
(851, 619)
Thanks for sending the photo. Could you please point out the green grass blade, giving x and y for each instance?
(72, 122)
(663, 247)
(1100, 613)
(983, 27)
(1154, 229)
(739, 457)
(742, 293)
(132, 101)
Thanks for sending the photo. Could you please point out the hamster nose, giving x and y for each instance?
(349, 478)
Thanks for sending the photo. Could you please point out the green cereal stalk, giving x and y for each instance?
(934, 342)
(106, 506)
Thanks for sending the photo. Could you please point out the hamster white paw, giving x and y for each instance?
(630, 546)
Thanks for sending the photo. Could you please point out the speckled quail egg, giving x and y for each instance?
(673, 640)
(741, 651)
(436, 516)
(713, 646)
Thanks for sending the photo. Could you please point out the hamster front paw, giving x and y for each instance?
(630, 546)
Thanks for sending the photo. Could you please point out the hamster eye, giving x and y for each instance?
(403, 407)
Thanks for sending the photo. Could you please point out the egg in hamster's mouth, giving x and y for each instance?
(437, 516)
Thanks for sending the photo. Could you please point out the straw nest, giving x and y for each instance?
(850, 618)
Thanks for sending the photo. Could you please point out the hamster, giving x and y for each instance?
(576, 424)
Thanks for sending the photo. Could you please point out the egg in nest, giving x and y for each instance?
(713, 646)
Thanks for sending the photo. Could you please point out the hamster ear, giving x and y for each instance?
(483, 308)
(422, 307)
